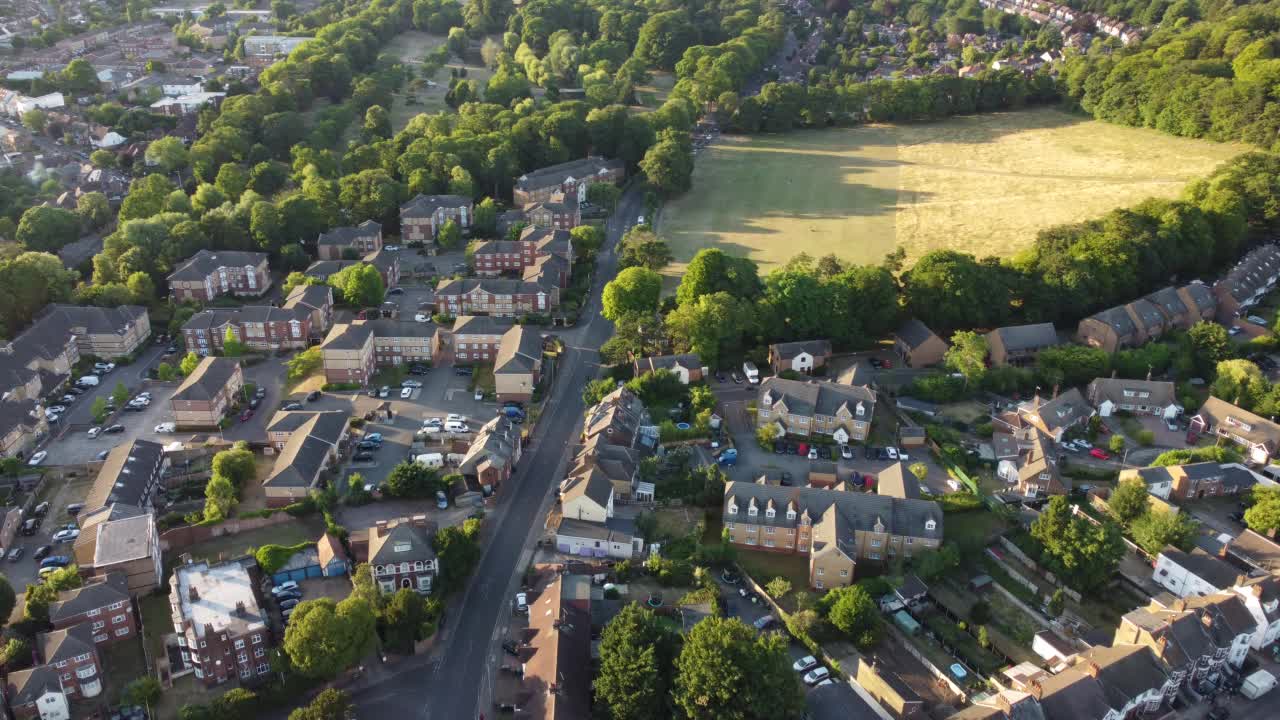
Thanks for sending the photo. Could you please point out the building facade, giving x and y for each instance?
(222, 629)
(208, 275)
(208, 393)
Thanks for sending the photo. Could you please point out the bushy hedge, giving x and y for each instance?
(273, 557)
(339, 387)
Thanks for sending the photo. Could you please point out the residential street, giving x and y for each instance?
(461, 661)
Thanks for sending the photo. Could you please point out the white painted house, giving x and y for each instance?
(1193, 574)
(1261, 596)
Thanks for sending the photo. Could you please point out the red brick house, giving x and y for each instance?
(476, 338)
(401, 554)
(495, 257)
(38, 693)
(349, 243)
(317, 300)
(103, 606)
(571, 178)
(493, 454)
(496, 297)
(203, 399)
(73, 654)
(258, 327)
(422, 217)
(207, 275)
(222, 628)
(561, 212)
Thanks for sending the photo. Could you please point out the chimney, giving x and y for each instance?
(1036, 690)
(1093, 670)
(380, 528)
(193, 594)
(240, 611)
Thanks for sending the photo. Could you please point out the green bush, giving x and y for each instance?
(302, 508)
(273, 557)
(339, 387)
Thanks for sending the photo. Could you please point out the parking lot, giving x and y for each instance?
(59, 495)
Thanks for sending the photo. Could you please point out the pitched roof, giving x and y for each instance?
(854, 511)
(111, 589)
(1058, 413)
(426, 205)
(208, 379)
(1120, 391)
(207, 262)
(553, 241)
(558, 174)
(789, 350)
(27, 686)
(1237, 421)
(348, 235)
(559, 651)
(324, 269)
(402, 541)
(492, 286)
(347, 336)
(329, 549)
(481, 325)
(1169, 301)
(309, 295)
(519, 353)
(125, 474)
(496, 444)
(1027, 337)
(812, 397)
(654, 363)
(213, 319)
(60, 645)
(895, 481)
(591, 484)
(305, 452)
(1254, 275)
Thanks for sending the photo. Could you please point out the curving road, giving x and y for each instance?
(457, 683)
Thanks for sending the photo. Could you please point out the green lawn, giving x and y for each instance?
(765, 566)
(156, 620)
(972, 530)
(964, 183)
(122, 663)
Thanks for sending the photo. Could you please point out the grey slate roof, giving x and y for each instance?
(557, 174)
(1202, 295)
(492, 286)
(808, 398)
(858, 511)
(1204, 566)
(1027, 337)
(324, 269)
(61, 645)
(816, 348)
(592, 484)
(111, 589)
(347, 337)
(315, 296)
(1168, 300)
(1148, 314)
(207, 262)
(520, 351)
(1158, 392)
(125, 474)
(348, 235)
(425, 205)
(481, 325)
(609, 531)
(666, 362)
(207, 380)
(914, 333)
(382, 549)
(1254, 273)
(214, 318)
(390, 327)
(26, 686)
(307, 448)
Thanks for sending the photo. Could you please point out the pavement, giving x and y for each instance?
(439, 686)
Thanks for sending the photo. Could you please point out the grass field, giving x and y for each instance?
(984, 184)
(411, 47)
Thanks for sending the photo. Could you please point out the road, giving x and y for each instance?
(461, 678)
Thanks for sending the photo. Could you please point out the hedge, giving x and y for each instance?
(339, 387)
(273, 557)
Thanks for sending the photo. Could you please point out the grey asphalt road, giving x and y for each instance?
(455, 688)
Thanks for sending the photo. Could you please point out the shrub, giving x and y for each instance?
(273, 557)
(339, 387)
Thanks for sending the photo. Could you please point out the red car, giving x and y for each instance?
(1100, 454)
(244, 416)
(888, 364)
(803, 450)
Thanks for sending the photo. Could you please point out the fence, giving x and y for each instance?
(181, 537)
(938, 674)
(1049, 577)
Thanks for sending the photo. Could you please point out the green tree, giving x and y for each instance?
(47, 228)
(1129, 501)
(633, 291)
(1072, 364)
(967, 356)
(604, 195)
(668, 164)
(457, 42)
(232, 181)
(330, 704)
(120, 394)
(103, 159)
(168, 154)
(854, 612)
(1116, 443)
(1085, 555)
(35, 120)
(1210, 344)
(235, 704)
(726, 670)
(485, 221)
(94, 209)
(635, 666)
(99, 409)
(458, 549)
(304, 364)
(778, 587)
(16, 654)
(412, 480)
(360, 285)
(587, 239)
(166, 372)
(189, 363)
(8, 598)
(1263, 515)
(595, 391)
(144, 691)
(377, 123)
(1057, 603)
(712, 270)
(231, 345)
(146, 197)
(407, 618)
(323, 638)
(237, 464)
(220, 497)
(450, 235)
(1158, 529)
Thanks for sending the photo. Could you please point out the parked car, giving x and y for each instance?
(442, 500)
(384, 391)
(102, 455)
(763, 622)
(1084, 444)
(42, 509)
(464, 371)
(875, 363)
(55, 561)
(63, 536)
(421, 317)
(314, 395)
(166, 427)
(892, 452)
(260, 393)
(38, 458)
(289, 603)
(15, 554)
(411, 384)
(289, 595)
(846, 452)
(418, 369)
(94, 432)
(104, 367)
(406, 393)
(74, 509)
(737, 379)
(1100, 454)
(113, 429)
(363, 457)
(813, 453)
(284, 586)
(816, 675)
(802, 449)
(292, 406)
(246, 415)
(41, 552)
(374, 437)
(30, 527)
(367, 445)
(395, 290)
(779, 447)
(805, 663)
(869, 452)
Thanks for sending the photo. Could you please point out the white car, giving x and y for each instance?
(51, 417)
(104, 367)
(167, 427)
(420, 317)
(805, 663)
(892, 452)
(432, 429)
(456, 418)
(284, 587)
(846, 452)
(640, 220)
(411, 384)
(816, 675)
(1085, 444)
(66, 535)
(813, 453)
(406, 393)
(95, 432)
(38, 458)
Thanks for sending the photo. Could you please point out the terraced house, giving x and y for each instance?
(1247, 283)
(308, 443)
(1147, 318)
(257, 327)
(499, 297)
(477, 338)
(209, 274)
(422, 217)
(836, 529)
(561, 212)
(571, 178)
(804, 408)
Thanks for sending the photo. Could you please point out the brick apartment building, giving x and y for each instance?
(222, 629)
(500, 297)
(476, 338)
(495, 257)
(257, 327)
(120, 538)
(347, 353)
(571, 178)
(561, 212)
(73, 654)
(422, 217)
(208, 275)
(204, 398)
(103, 605)
(317, 300)
(350, 243)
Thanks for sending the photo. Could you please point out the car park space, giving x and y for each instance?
(36, 545)
(76, 445)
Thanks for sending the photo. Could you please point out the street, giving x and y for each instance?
(468, 640)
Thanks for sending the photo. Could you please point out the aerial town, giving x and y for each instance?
(600, 360)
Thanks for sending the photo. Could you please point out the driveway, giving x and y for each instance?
(366, 516)
(269, 375)
(59, 495)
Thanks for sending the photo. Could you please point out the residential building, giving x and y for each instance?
(1140, 397)
(1020, 344)
(803, 408)
(317, 301)
(1257, 437)
(619, 464)
(1185, 306)
(478, 338)
(422, 217)
(890, 691)
(309, 443)
(557, 648)
(258, 327)
(205, 396)
(208, 275)
(587, 496)
(1193, 574)
(803, 356)
(560, 212)
(103, 605)
(1034, 469)
(108, 333)
(401, 554)
(614, 538)
(1123, 326)
(620, 418)
(387, 263)
(38, 693)
(1253, 550)
(517, 367)
(1057, 415)
(1193, 637)
(130, 475)
(396, 342)
(347, 353)
(73, 654)
(493, 454)
(350, 243)
(549, 271)
(22, 425)
(1261, 595)
(222, 628)
(263, 50)
(1193, 481)
(571, 178)
(122, 539)
(502, 297)
(687, 367)
(494, 257)
(835, 529)
(1247, 283)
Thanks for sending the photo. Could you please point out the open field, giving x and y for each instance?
(983, 184)
(655, 92)
(419, 96)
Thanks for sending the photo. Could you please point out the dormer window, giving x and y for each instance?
(930, 525)
(752, 511)
(791, 514)
(862, 410)
(770, 513)
(733, 509)
(766, 399)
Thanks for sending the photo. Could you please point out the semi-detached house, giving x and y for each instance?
(350, 243)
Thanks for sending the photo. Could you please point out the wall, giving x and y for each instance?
(181, 537)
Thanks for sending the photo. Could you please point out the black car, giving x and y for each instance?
(785, 478)
(824, 452)
(882, 454)
(721, 377)
(292, 406)
(779, 447)
(363, 457)
(792, 448)
(418, 369)
(510, 648)
(73, 390)
(464, 371)
(113, 429)
(134, 408)
(41, 552)
(876, 362)
(314, 395)
(395, 291)
(289, 604)
(869, 451)
(368, 445)
(1237, 517)
(254, 403)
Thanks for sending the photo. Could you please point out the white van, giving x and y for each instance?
(753, 374)
(431, 460)
(89, 381)
(456, 426)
